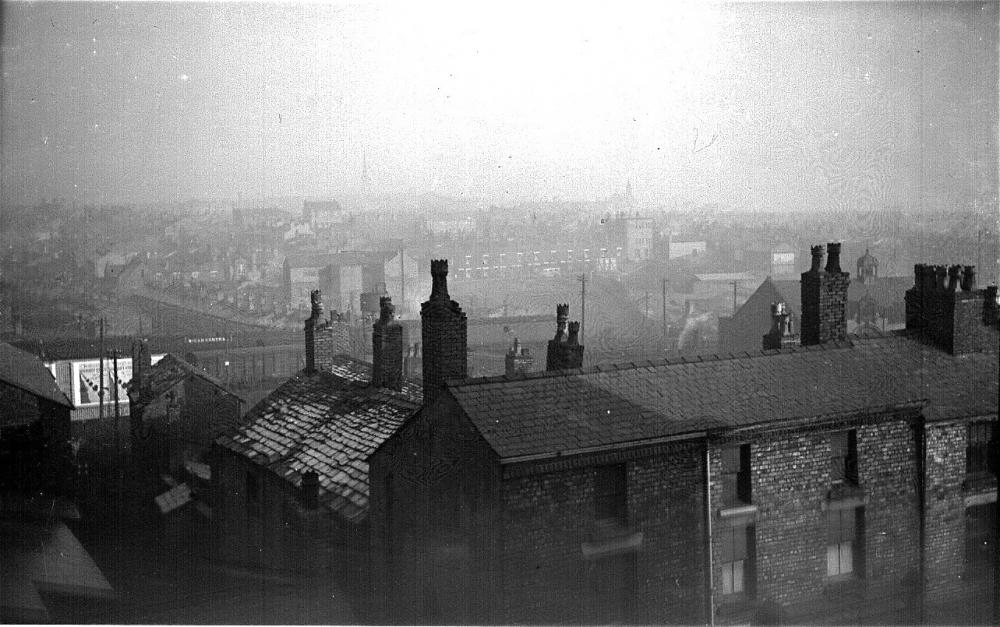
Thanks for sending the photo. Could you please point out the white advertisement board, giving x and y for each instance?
(86, 376)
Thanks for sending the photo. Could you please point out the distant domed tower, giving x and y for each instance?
(867, 267)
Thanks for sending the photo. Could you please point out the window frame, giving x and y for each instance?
(844, 458)
(845, 537)
(737, 551)
(976, 449)
(737, 489)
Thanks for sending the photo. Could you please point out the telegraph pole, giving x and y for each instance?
(664, 308)
(100, 376)
(733, 283)
(583, 304)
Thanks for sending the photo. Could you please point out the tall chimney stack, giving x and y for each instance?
(944, 308)
(564, 350)
(444, 335)
(387, 347)
(314, 320)
(824, 298)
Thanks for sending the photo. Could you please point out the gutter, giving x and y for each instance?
(709, 579)
(600, 448)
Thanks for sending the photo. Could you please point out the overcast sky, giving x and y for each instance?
(766, 106)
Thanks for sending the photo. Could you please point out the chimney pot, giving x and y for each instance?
(386, 310)
(562, 315)
(969, 279)
(439, 279)
(833, 257)
(817, 257)
(941, 277)
(954, 277)
(574, 334)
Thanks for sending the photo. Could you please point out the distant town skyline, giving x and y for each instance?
(819, 106)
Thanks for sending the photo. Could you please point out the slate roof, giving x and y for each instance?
(171, 369)
(546, 413)
(25, 371)
(328, 422)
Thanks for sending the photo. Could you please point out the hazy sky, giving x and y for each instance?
(768, 106)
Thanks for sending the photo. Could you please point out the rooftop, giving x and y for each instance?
(568, 411)
(170, 370)
(25, 371)
(328, 422)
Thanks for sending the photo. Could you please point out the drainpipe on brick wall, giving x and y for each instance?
(993, 458)
(710, 584)
(921, 437)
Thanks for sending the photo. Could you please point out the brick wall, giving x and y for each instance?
(548, 517)
(434, 521)
(791, 531)
(824, 306)
(944, 526)
(888, 471)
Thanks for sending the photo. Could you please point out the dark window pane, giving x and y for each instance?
(611, 497)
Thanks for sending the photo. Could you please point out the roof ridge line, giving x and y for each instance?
(649, 363)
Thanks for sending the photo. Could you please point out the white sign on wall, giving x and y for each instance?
(86, 376)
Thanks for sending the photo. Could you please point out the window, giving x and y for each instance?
(980, 434)
(979, 535)
(253, 496)
(843, 545)
(736, 475)
(610, 494)
(844, 457)
(736, 553)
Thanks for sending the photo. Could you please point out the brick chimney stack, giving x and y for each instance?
(944, 308)
(780, 335)
(564, 350)
(313, 321)
(387, 347)
(824, 298)
(518, 360)
(444, 335)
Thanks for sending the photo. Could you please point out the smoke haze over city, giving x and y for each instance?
(813, 106)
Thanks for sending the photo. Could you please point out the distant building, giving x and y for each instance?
(344, 276)
(323, 214)
(841, 480)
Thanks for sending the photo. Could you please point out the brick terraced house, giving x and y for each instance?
(291, 485)
(838, 480)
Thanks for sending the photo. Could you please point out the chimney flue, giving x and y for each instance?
(954, 277)
(574, 334)
(833, 257)
(439, 279)
(387, 347)
(562, 315)
(817, 258)
(969, 279)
